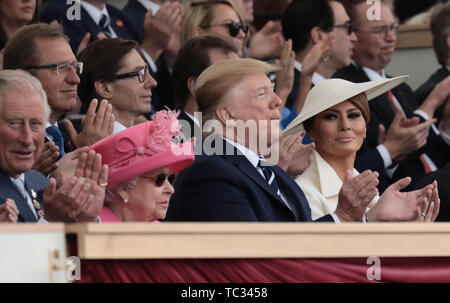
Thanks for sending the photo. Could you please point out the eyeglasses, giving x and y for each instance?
(141, 74)
(382, 30)
(233, 27)
(348, 25)
(61, 68)
(161, 178)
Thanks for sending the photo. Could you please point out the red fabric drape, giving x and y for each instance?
(423, 270)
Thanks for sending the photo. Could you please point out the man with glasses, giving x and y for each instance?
(115, 70)
(44, 51)
(412, 145)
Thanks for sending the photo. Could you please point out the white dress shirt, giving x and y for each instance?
(118, 127)
(316, 78)
(150, 5)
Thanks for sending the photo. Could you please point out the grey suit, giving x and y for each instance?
(33, 181)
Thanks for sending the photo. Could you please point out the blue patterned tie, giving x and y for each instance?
(57, 138)
(104, 25)
(269, 175)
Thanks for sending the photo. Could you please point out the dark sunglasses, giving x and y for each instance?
(161, 178)
(233, 27)
(348, 25)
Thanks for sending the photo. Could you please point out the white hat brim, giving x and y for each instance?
(330, 92)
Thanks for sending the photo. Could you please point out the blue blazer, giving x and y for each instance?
(76, 29)
(229, 188)
(33, 181)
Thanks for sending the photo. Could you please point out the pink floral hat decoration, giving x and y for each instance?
(145, 147)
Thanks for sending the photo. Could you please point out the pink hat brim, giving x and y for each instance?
(182, 158)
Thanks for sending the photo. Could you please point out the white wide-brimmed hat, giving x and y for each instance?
(330, 92)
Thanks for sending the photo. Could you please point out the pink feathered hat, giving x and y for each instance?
(145, 147)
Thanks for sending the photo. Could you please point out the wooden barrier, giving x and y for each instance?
(260, 240)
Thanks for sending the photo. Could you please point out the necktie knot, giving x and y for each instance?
(57, 137)
(104, 25)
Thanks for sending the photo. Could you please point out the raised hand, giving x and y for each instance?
(394, 205)
(355, 195)
(158, 29)
(95, 126)
(47, 162)
(268, 42)
(401, 140)
(285, 76)
(9, 211)
(80, 197)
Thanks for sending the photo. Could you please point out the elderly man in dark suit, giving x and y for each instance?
(233, 181)
(420, 147)
(23, 114)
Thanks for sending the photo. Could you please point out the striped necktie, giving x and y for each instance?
(56, 137)
(104, 25)
(269, 175)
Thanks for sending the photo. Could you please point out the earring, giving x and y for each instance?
(125, 200)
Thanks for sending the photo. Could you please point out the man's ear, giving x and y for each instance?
(317, 35)
(191, 84)
(103, 89)
(224, 114)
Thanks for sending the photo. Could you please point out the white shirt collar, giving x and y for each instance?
(249, 154)
(150, 5)
(21, 177)
(118, 127)
(193, 119)
(448, 67)
(316, 79)
(373, 75)
(330, 183)
(94, 12)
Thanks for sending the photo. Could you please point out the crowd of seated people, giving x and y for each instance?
(180, 109)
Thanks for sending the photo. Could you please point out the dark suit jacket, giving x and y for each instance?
(229, 188)
(425, 89)
(381, 113)
(76, 29)
(442, 176)
(33, 181)
(290, 102)
(137, 13)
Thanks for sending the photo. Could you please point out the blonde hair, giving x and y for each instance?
(218, 79)
(200, 13)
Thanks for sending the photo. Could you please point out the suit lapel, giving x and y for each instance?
(33, 190)
(9, 190)
(246, 167)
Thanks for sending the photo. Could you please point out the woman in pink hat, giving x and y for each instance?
(142, 161)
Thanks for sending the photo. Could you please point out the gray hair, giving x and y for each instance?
(112, 193)
(21, 81)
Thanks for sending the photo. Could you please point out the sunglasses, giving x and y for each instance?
(161, 178)
(348, 25)
(233, 27)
